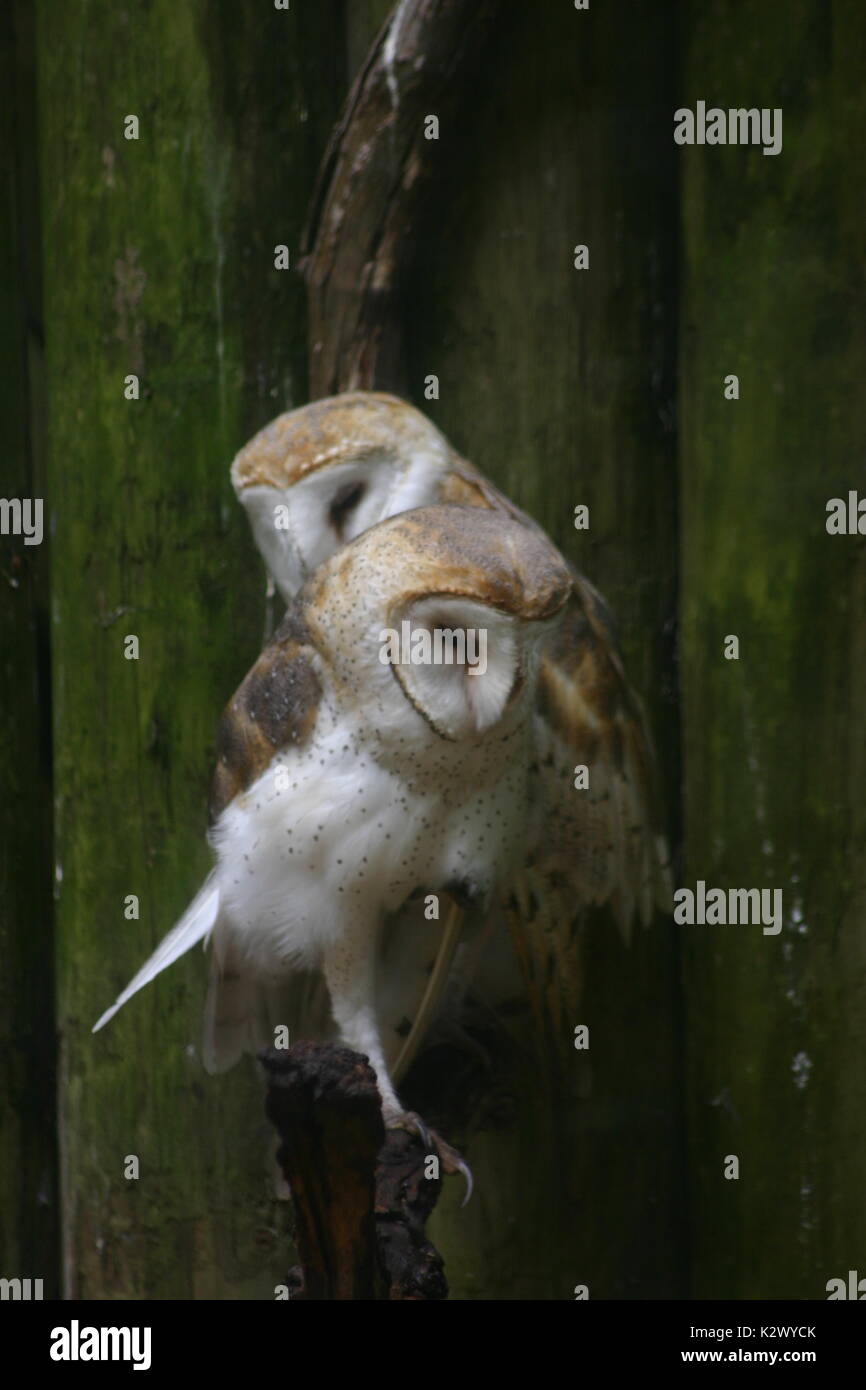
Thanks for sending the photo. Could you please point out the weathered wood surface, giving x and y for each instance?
(159, 261)
(361, 1195)
(324, 1104)
(381, 159)
(774, 290)
(28, 1177)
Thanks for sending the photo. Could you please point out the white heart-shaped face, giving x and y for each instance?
(458, 661)
(299, 527)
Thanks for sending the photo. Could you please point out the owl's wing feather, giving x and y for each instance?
(274, 708)
(465, 485)
(609, 851)
(242, 1015)
(596, 844)
(199, 919)
(601, 839)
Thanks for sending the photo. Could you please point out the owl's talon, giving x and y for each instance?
(463, 1167)
(412, 1124)
(451, 1160)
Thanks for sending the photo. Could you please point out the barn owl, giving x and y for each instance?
(315, 478)
(346, 783)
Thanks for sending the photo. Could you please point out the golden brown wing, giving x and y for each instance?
(606, 832)
(607, 838)
(596, 844)
(273, 708)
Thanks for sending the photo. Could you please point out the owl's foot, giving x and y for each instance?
(451, 1160)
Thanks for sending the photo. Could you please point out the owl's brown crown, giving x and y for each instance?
(350, 426)
(460, 551)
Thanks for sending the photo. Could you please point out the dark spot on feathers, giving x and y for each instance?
(274, 708)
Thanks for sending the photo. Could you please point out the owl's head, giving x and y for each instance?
(317, 477)
(445, 609)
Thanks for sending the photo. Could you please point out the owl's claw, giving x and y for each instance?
(461, 1166)
(451, 1160)
(412, 1123)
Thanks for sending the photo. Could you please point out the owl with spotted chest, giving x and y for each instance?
(346, 783)
(334, 807)
(313, 480)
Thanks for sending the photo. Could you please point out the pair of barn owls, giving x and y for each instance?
(349, 789)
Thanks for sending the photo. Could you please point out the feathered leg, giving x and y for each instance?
(349, 967)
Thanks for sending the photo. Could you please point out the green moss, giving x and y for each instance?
(159, 260)
(773, 291)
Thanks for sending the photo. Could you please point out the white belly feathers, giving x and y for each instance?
(324, 839)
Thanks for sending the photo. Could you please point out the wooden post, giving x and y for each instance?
(28, 1039)
(159, 264)
(774, 275)
(360, 1196)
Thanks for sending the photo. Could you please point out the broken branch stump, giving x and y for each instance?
(363, 223)
(360, 1196)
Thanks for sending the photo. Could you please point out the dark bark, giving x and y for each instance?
(362, 225)
(360, 1196)
(28, 1148)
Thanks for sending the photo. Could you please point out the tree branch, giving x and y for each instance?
(360, 238)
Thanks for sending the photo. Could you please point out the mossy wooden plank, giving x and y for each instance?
(159, 261)
(558, 382)
(773, 291)
(28, 1178)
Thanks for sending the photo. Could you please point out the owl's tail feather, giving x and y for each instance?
(242, 1015)
(233, 1022)
(196, 922)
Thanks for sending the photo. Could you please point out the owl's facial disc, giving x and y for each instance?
(461, 663)
(299, 527)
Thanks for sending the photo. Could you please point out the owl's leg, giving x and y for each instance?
(349, 970)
